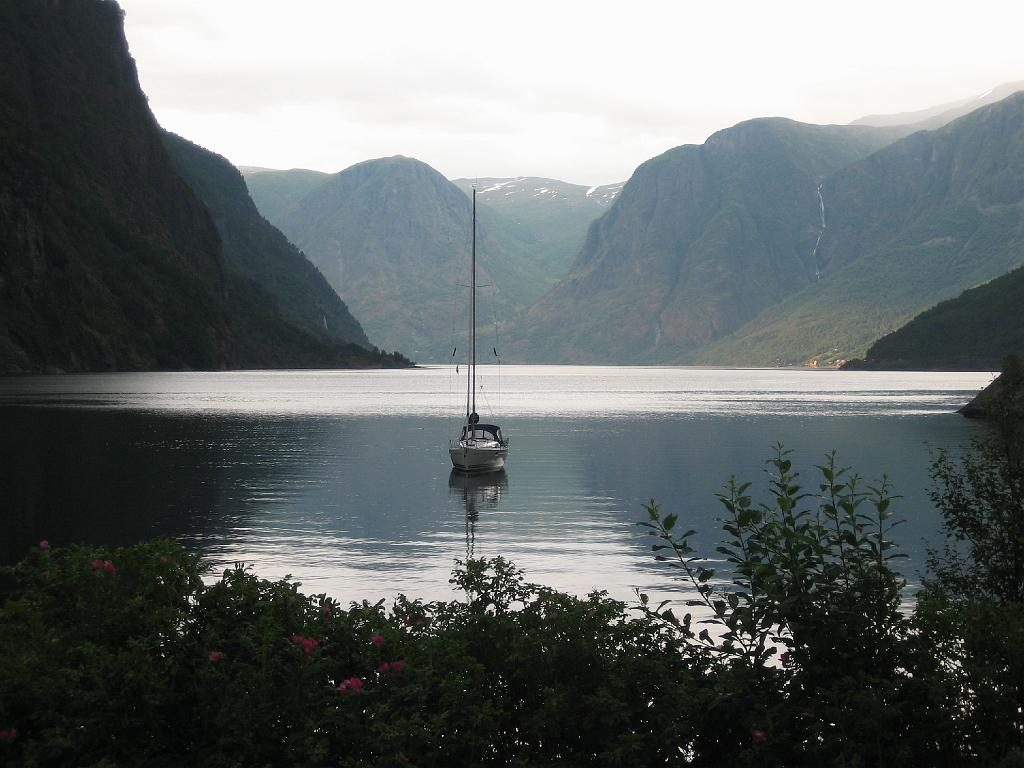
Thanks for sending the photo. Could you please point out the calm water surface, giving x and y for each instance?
(342, 479)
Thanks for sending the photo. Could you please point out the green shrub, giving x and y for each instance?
(807, 625)
(128, 657)
(971, 613)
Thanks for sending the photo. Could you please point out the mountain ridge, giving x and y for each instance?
(108, 258)
(392, 236)
(738, 214)
(939, 115)
(911, 225)
(258, 250)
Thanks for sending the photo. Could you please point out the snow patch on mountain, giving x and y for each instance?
(542, 189)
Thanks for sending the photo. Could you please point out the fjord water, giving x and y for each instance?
(342, 479)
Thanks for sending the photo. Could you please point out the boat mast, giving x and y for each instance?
(472, 325)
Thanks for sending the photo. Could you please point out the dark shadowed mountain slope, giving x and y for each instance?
(975, 331)
(700, 240)
(912, 225)
(256, 249)
(108, 260)
(393, 238)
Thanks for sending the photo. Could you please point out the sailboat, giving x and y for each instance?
(480, 447)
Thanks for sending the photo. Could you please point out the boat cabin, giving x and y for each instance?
(482, 432)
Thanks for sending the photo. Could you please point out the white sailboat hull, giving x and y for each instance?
(467, 458)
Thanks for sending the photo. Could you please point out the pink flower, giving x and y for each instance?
(391, 666)
(215, 656)
(163, 559)
(96, 564)
(109, 567)
(759, 736)
(377, 640)
(8, 734)
(397, 665)
(353, 684)
(384, 667)
(308, 644)
(44, 544)
(327, 608)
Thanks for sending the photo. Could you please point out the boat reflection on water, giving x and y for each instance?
(478, 492)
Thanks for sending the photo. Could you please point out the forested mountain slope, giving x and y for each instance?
(256, 249)
(700, 240)
(975, 331)
(278, 193)
(911, 225)
(392, 236)
(108, 260)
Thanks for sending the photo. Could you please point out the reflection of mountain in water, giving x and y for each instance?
(119, 477)
(477, 492)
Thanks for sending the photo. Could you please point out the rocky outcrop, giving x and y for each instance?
(1003, 399)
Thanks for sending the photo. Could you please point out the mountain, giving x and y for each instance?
(529, 195)
(975, 331)
(392, 236)
(913, 224)
(256, 249)
(938, 116)
(545, 219)
(536, 224)
(278, 193)
(700, 240)
(108, 260)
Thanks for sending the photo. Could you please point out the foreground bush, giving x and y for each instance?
(127, 658)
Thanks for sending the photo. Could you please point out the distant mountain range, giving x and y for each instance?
(278, 193)
(393, 237)
(937, 116)
(404, 282)
(546, 220)
(772, 243)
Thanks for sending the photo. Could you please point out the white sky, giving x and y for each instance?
(573, 90)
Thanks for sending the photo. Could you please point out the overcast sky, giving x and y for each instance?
(579, 91)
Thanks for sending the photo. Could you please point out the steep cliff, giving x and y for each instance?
(912, 225)
(700, 240)
(108, 259)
